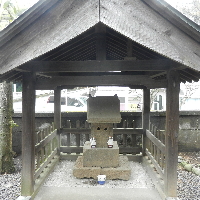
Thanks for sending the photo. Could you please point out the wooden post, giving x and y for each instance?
(57, 113)
(129, 48)
(28, 134)
(171, 137)
(145, 118)
(100, 30)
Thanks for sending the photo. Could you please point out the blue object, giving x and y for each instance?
(101, 182)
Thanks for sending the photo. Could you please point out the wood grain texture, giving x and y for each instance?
(61, 23)
(145, 118)
(57, 113)
(130, 19)
(100, 66)
(112, 80)
(171, 136)
(157, 142)
(28, 135)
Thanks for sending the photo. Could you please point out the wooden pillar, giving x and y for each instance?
(145, 117)
(171, 137)
(57, 113)
(28, 134)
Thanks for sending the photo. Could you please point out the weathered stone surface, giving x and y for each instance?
(101, 133)
(122, 172)
(103, 109)
(100, 157)
(85, 172)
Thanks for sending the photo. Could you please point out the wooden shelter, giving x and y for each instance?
(142, 44)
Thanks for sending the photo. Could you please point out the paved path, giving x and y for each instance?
(67, 193)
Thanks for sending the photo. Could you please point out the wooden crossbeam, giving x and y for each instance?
(100, 66)
(112, 80)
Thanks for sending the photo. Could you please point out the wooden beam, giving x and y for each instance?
(193, 73)
(57, 113)
(129, 48)
(158, 74)
(76, 149)
(183, 77)
(156, 165)
(28, 134)
(100, 30)
(155, 140)
(188, 77)
(6, 76)
(113, 80)
(145, 117)
(130, 131)
(14, 78)
(171, 137)
(100, 66)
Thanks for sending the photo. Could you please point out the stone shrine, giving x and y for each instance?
(101, 153)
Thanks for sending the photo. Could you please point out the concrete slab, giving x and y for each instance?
(63, 193)
(61, 185)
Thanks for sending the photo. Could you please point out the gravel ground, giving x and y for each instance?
(10, 183)
(188, 183)
(64, 178)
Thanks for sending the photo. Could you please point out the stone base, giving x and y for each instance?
(100, 157)
(122, 172)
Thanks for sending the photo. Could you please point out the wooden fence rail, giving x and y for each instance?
(156, 148)
(73, 139)
(46, 149)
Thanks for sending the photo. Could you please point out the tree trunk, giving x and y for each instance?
(6, 123)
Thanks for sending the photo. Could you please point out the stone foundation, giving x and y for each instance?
(122, 172)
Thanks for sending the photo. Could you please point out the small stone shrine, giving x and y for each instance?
(101, 153)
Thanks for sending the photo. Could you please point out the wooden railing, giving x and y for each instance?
(156, 148)
(46, 149)
(73, 138)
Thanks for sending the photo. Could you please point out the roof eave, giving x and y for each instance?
(175, 17)
(24, 20)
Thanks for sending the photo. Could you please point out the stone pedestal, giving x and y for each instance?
(100, 157)
(122, 172)
(106, 161)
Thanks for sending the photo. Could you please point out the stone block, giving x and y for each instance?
(100, 157)
(101, 133)
(103, 109)
(85, 172)
(123, 172)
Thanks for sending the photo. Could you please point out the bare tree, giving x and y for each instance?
(190, 10)
(138, 95)
(189, 90)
